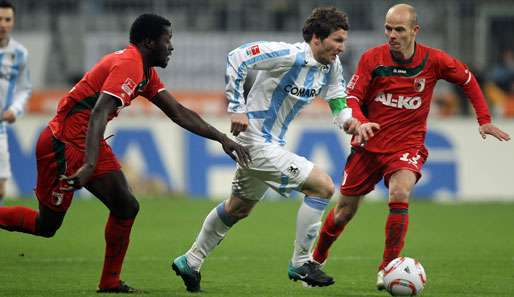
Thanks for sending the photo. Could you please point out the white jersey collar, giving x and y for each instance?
(311, 61)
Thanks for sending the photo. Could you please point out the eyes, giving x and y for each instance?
(398, 29)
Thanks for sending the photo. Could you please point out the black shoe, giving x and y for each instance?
(311, 274)
(190, 276)
(121, 288)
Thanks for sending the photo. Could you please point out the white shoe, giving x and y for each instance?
(380, 280)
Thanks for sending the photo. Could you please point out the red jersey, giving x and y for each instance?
(120, 74)
(397, 95)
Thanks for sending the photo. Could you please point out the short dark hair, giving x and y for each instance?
(148, 26)
(7, 4)
(323, 22)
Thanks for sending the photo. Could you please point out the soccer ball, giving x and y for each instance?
(404, 277)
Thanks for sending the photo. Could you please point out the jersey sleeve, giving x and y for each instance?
(258, 56)
(454, 71)
(154, 86)
(23, 87)
(451, 69)
(361, 79)
(122, 81)
(358, 85)
(336, 85)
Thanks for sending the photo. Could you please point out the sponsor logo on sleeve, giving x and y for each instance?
(352, 82)
(253, 50)
(128, 86)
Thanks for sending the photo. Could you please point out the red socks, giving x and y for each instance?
(117, 234)
(328, 234)
(18, 218)
(395, 230)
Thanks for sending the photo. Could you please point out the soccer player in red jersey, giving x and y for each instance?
(72, 152)
(390, 95)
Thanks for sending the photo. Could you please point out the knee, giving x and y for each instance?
(47, 231)
(128, 209)
(239, 213)
(399, 194)
(327, 188)
(132, 208)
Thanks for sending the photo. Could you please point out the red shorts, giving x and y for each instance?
(56, 158)
(363, 169)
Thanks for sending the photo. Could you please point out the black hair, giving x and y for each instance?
(7, 4)
(323, 22)
(148, 26)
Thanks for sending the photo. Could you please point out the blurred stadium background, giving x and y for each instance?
(66, 37)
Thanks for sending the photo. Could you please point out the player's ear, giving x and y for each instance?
(416, 29)
(148, 43)
(315, 39)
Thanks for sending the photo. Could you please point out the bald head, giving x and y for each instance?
(403, 12)
(401, 28)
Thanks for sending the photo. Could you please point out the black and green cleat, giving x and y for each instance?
(190, 276)
(311, 274)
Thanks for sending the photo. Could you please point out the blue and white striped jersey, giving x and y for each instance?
(15, 86)
(288, 78)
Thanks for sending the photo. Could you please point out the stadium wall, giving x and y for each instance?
(159, 157)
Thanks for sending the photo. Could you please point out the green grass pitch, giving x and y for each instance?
(467, 250)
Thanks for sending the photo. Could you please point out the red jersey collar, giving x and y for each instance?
(405, 61)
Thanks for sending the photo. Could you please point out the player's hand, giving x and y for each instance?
(237, 152)
(351, 126)
(9, 116)
(239, 123)
(491, 129)
(366, 131)
(78, 179)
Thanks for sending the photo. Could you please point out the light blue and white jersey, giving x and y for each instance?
(15, 86)
(288, 78)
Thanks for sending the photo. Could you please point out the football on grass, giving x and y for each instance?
(404, 276)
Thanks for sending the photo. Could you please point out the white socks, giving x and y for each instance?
(218, 222)
(216, 225)
(308, 223)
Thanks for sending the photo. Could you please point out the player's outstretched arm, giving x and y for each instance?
(491, 129)
(105, 105)
(191, 121)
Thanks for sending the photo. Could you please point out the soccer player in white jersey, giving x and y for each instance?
(15, 87)
(289, 76)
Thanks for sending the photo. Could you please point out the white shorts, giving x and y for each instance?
(272, 167)
(5, 165)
